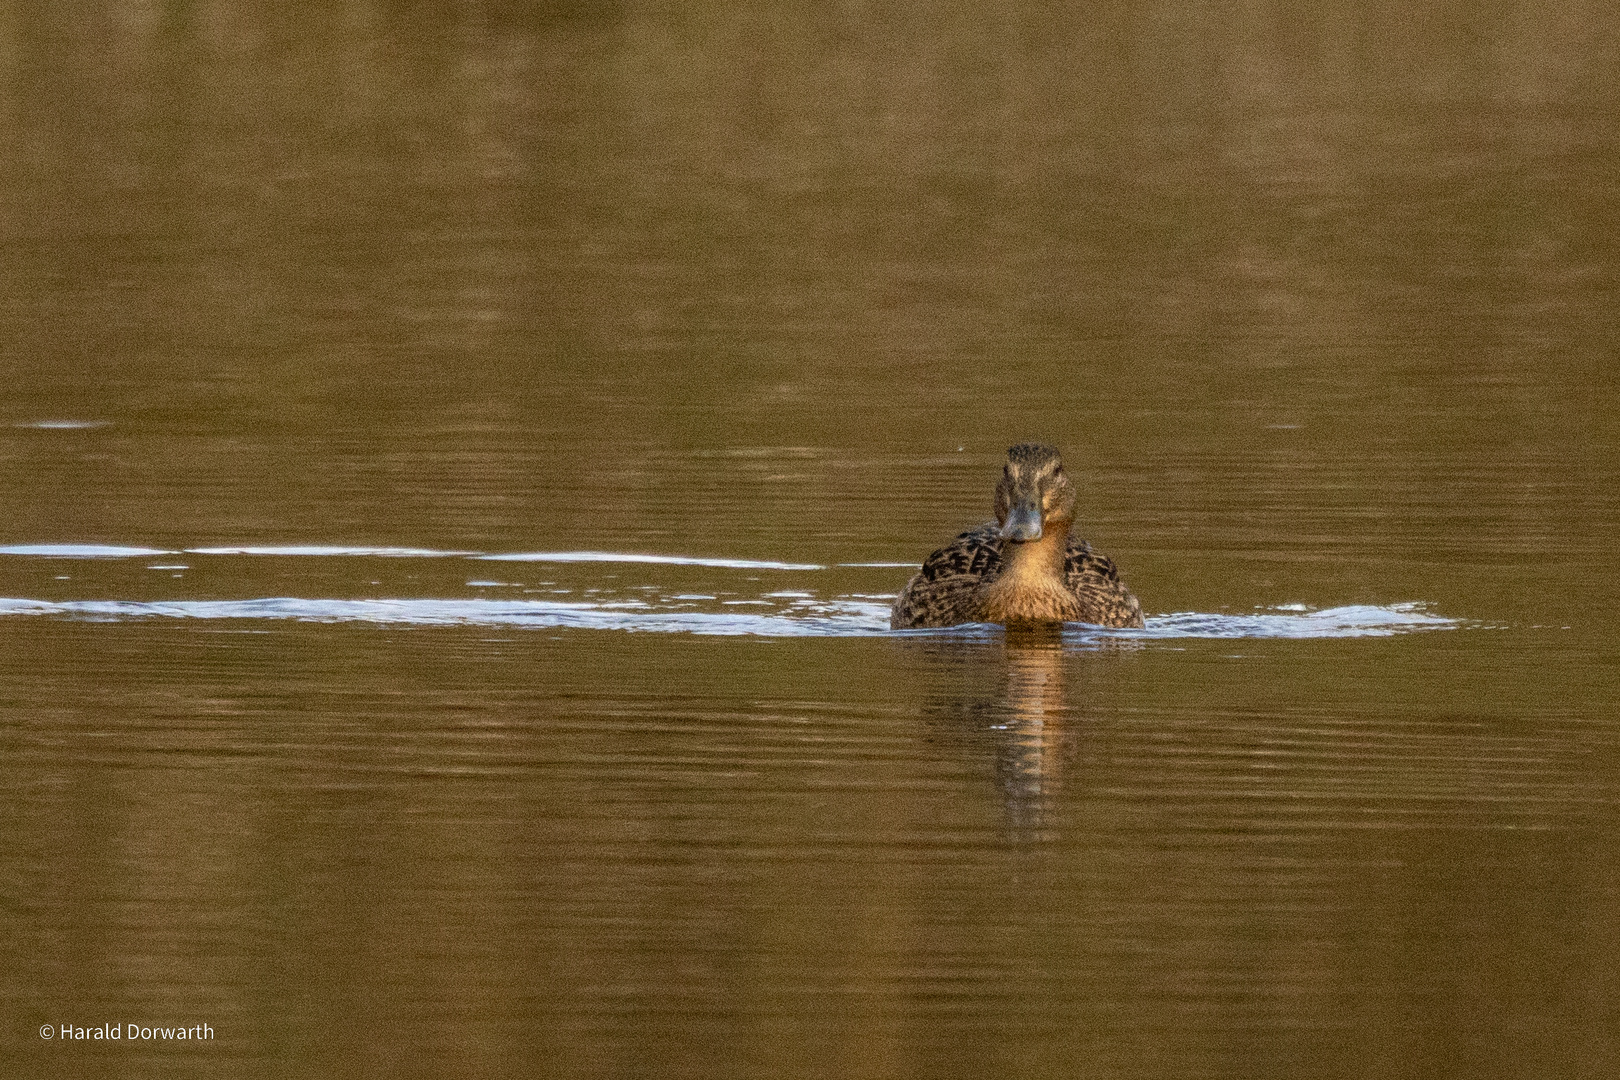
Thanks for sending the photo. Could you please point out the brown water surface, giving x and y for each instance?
(455, 460)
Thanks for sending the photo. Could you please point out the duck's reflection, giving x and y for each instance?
(1029, 755)
(1007, 698)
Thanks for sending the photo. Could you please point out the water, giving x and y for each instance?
(456, 464)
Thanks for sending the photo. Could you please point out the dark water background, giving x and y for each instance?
(1322, 307)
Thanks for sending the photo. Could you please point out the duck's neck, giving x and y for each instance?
(1041, 558)
(1031, 586)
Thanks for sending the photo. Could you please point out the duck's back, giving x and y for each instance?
(1094, 580)
(942, 592)
(945, 592)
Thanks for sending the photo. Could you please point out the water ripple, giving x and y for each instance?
(828, 619)
(1356, 620)
(667, 560)
(112, 551)
(84, 551)
(302, 550)
(839, 617)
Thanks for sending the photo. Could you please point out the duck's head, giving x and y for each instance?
(1034, 497)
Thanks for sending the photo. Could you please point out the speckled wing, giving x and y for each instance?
(941, 593)
(1094, 580)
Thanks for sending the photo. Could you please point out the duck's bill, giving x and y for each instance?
(1023, 523)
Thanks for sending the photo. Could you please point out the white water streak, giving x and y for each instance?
(840, 617)
(666, 560)
(112, 551)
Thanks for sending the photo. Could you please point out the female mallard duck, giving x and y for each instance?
(1023, 568)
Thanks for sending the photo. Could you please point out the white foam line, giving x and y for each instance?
(112, 551)
(627, 616)
(623, 557)
(62, 425)
(1356, 620)
(84, 551)
(330, 549)
(839, 617)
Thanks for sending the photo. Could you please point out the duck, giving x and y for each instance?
(1023, 569)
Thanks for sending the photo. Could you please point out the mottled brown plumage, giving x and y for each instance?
(1023, 568)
